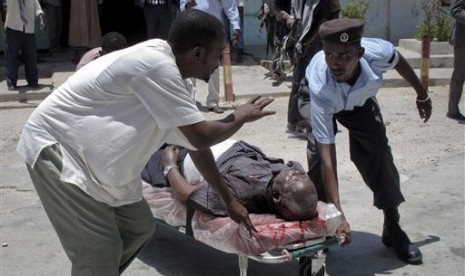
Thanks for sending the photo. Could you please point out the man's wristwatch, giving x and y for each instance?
(167, 169)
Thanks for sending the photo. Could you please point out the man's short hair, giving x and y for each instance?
(193, 28)
(113, 41)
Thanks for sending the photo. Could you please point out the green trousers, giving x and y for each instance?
(99, 239)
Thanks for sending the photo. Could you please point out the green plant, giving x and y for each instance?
(356, 9)
(436, 24)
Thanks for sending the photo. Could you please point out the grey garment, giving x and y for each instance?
(22, 11)
(248, 173)
(457, 11)
(457, 80)
(303, 11)
(213, 97)
(309, 15)
(99, 239)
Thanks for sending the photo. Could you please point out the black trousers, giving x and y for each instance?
(370, 152)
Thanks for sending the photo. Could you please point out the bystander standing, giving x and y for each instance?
(20, 40)
(216, 8)
(54, 14)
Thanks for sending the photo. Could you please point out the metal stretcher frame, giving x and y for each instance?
(309, 253)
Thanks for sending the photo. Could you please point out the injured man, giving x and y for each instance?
(262, 184)
(279, 196)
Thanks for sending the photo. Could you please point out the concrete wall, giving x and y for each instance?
(387, 19)
(392, 19)
(252, 33)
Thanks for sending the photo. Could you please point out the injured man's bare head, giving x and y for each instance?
(294, 194)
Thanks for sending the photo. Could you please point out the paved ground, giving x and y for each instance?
(430, 158)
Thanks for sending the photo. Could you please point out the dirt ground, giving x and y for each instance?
(414, 145)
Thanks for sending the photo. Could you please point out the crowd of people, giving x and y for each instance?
(86, 157)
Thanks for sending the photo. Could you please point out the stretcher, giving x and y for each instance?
(276, 241)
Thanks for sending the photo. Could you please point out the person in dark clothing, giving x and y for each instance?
(277, 36)
(304, 20)
(457, 10)
(262, 184)
(20, 40)
(159, 14)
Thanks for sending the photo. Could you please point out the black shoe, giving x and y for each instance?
(290, 128)
(298, 130)
(11, 88)
(34, 86)
(457, 116)
(395, 238)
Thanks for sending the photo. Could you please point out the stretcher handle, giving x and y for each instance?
(288, 255)
(331, 241)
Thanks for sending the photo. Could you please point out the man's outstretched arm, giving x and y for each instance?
(331, 186)
(205, 134)
(423, 101)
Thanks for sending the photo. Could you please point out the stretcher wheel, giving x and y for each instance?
(306, 267)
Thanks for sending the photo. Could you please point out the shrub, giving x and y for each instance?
(436, 24)
(356, 9)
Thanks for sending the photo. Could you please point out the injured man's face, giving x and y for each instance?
(294, 194)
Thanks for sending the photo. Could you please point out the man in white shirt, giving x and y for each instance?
(86, 144)
(19, 38)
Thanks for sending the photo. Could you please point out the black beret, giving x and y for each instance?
(343, 30)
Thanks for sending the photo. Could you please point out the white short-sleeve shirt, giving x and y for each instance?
(109, 118)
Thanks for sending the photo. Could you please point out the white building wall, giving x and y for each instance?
(387, 19)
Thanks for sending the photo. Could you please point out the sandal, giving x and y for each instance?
(277, 76)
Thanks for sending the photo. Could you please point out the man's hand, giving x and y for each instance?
(253, 109)
(290, 21)
(425, 108)
(239, 214)
(170, 156)
(344, 230)
(41, 22)
(236, 35)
